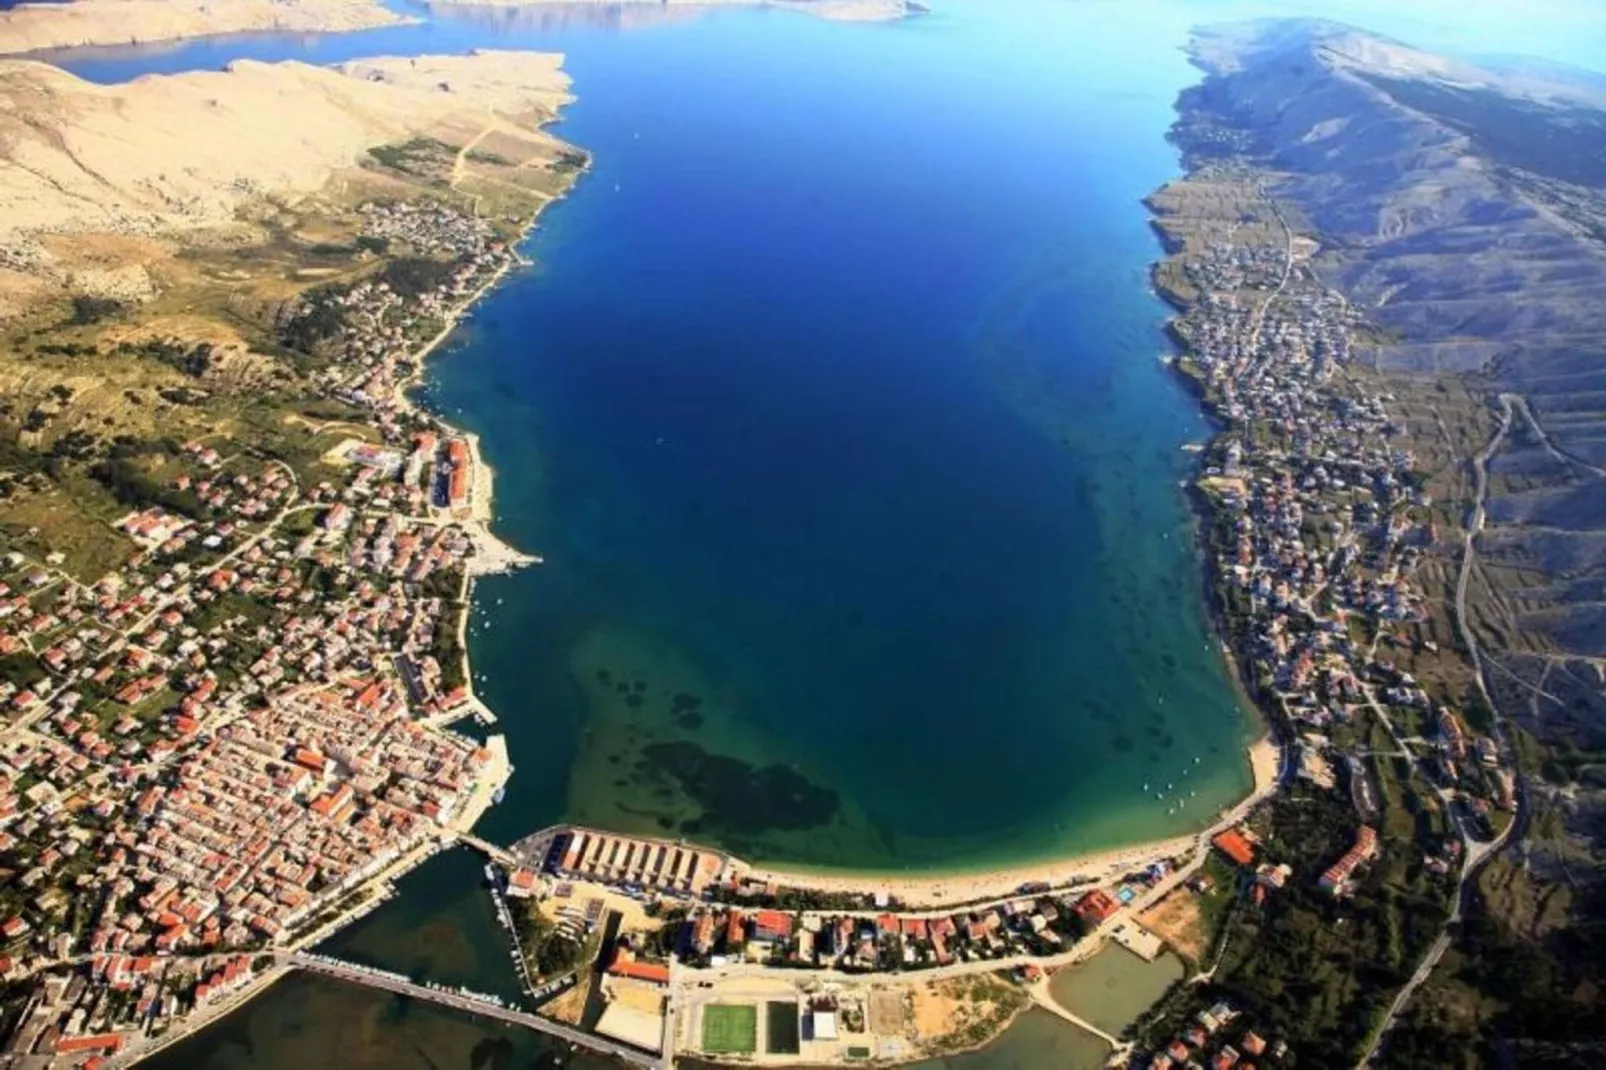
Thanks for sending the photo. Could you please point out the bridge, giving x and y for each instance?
(489, 849)
(389, 982)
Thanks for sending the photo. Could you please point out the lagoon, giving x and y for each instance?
(1114, 987)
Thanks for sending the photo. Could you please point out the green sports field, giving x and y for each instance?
(730, 1029)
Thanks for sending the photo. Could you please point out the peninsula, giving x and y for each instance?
(34, 27)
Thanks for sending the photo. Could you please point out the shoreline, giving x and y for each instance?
(941, 888)
(491, 555)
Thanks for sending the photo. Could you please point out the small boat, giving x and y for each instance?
(499, 795)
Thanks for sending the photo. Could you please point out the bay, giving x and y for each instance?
(832, 401)
(834, 406)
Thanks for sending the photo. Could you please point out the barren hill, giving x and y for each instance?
(166, 154)
(1464, 209)
(52, 24)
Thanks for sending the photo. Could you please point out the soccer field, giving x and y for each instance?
(730, 1029)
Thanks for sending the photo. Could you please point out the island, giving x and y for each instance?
(836, 10)
(31, 27)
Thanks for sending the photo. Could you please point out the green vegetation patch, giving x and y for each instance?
(781, 1034)
(413, 157)
(730, 1029)
(548, 950)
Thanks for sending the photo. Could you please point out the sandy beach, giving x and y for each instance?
(37, 26)
(935, 890)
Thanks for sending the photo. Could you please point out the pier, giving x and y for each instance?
(486, 1006)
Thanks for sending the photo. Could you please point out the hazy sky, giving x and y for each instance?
(1571, 31)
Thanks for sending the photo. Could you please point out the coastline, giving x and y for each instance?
(490, 555)
(941, 886)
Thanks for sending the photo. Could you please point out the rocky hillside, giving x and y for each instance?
(1464, 209)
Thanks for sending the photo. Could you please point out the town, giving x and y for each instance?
(232, 743)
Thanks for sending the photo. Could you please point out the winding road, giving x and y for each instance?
(1476, 854)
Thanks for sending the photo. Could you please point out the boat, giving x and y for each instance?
(499, 795)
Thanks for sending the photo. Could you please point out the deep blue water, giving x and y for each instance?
(833, 403)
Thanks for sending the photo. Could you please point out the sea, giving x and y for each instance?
(833, 400)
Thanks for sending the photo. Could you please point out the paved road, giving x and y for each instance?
(1476, 854)
(387, 983)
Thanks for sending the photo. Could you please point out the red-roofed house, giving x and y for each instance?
(1236, 846)
(772, 925)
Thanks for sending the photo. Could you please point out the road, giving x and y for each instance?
(456, 1001)
(1282, 283)
(1469, 553)
(1476, 854)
